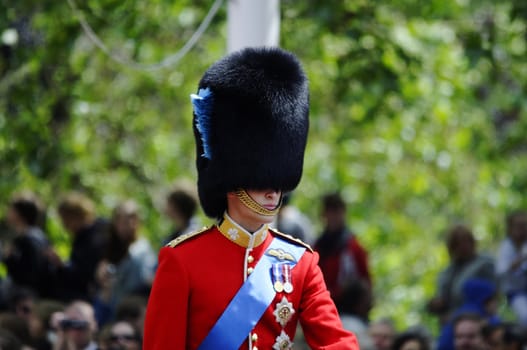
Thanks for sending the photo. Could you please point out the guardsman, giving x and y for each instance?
(240, 284)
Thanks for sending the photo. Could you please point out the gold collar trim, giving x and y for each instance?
(237, 234)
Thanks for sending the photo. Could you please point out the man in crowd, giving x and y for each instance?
(343, 260)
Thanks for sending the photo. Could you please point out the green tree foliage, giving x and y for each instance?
(418, 116)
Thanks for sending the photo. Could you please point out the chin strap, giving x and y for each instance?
(250, 203)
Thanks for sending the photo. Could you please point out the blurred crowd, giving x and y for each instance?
(96, 297)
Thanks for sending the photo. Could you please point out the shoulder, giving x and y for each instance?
(187, 237)
(291, 239)
(354, 244)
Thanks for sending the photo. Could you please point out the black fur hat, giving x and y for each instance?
(250, 125)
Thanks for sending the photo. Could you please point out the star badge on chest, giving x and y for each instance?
(284, 311)
(283, 342)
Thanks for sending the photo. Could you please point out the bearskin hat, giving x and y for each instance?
(250, 125)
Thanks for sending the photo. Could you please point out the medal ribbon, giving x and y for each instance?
(250, 302)
(287, 278)
(277, 275)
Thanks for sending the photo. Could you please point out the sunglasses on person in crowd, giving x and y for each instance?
(74, 324)
(117, 337)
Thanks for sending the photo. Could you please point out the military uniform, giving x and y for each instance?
(227, 288)
(199, 274)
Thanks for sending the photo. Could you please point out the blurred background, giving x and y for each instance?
(418, 117)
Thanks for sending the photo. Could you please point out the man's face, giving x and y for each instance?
(79, 325)
(13, 219)
(411, 344)
(461, 248)
(495, 339)
(382, 336)
(70, 224)
(123, 336)
(518, 230)
(126, 225)
(249, 219)
(334, 218)
(25, 309)
(467, 336)
(173, 212)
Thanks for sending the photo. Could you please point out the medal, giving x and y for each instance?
(277, 278)
(284, 311)
(288, 286)
(283, 342)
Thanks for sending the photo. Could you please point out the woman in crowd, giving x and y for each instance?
(25, 256)
(128, 264)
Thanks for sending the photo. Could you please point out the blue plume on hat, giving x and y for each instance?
(202, 103)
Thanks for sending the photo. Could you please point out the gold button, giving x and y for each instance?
(250, 270)
(250, 259)
(254, 337)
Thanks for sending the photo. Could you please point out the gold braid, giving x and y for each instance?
(254, 206)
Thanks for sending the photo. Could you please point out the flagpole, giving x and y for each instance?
(252, 23)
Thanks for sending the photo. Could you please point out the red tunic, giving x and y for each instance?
(197, 278)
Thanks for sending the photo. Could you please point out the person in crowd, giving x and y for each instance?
(291, 220)
(132, 309)
(18, 327)
(468, 332)
(128, 264)
(411, 339)
(383, 333)
(45, 335)
(181, 208)
(342, 257)
(511, 264)
(481, 298)
(77, 276)
(493, 335)
(465, 262)
(8, 341)
(251, 123)
(76, 327)
(514, 337)
(354, 309)
(25, 257)
(22, 303)
(120, 335)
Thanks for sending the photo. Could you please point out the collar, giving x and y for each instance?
(237, 234)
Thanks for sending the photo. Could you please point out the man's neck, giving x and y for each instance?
(250, 227)
(247, 223)
(335, 229)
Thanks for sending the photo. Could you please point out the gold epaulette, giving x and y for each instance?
(186, 236)
(292, 239)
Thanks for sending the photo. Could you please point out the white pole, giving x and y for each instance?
(253, 23)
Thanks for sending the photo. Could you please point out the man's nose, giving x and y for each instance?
(272, 194)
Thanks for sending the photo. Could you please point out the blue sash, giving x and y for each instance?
(251, 301)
